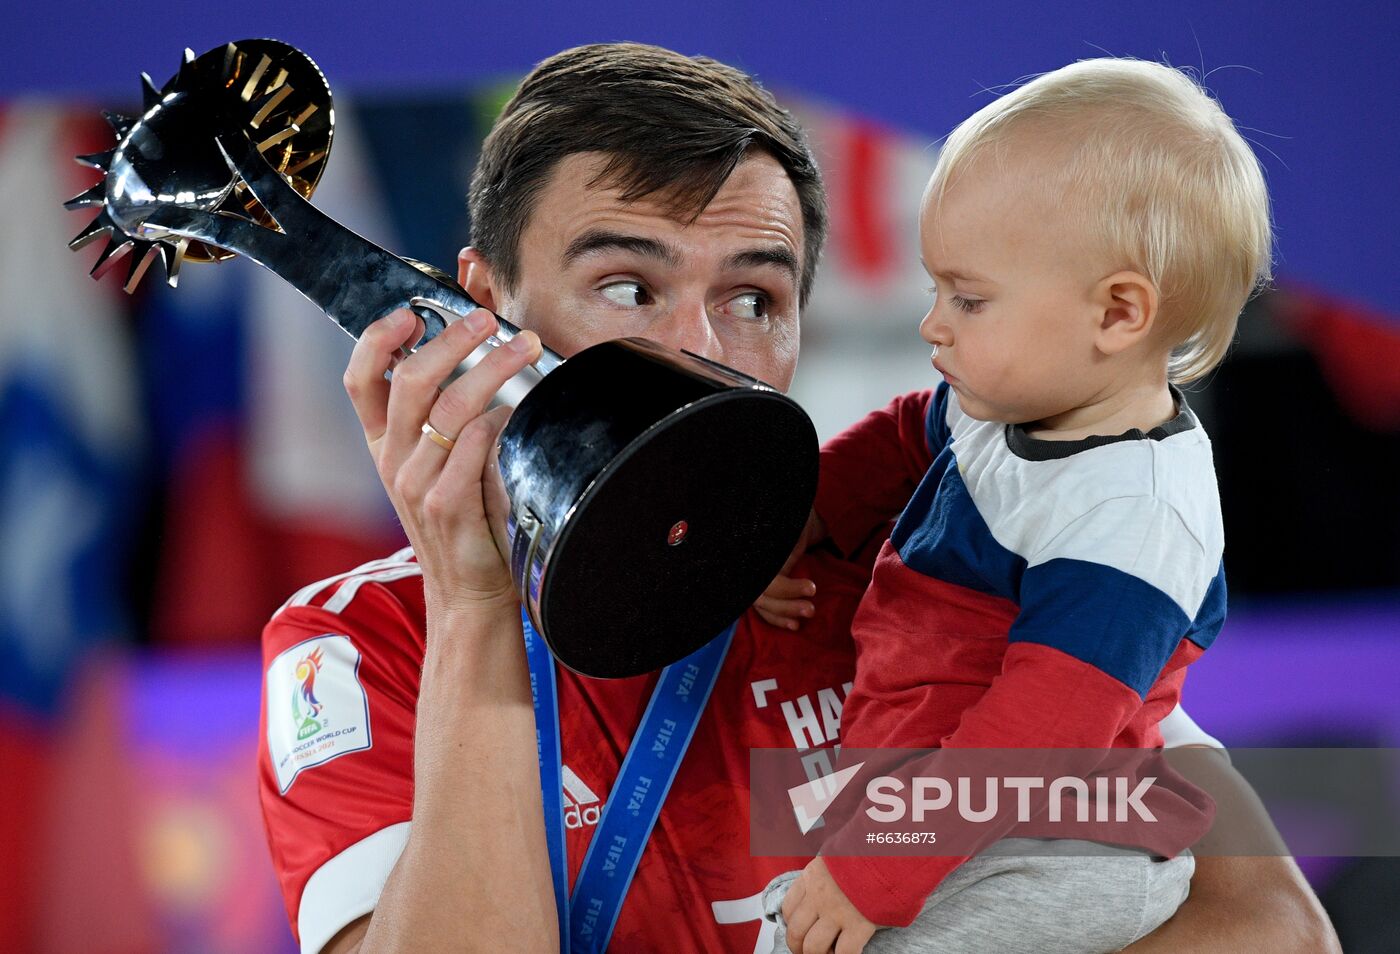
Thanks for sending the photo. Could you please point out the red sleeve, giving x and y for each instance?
(870, 470)
(335, 753)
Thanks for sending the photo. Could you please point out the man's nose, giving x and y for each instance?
(687, 326)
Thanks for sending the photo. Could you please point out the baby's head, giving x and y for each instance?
(1098, 228)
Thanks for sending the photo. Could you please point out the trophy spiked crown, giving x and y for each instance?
(170, 157)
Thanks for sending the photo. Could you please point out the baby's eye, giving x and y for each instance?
(970, 305)
(628, 294)
(750, 305)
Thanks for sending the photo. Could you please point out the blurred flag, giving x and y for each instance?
(70, 443)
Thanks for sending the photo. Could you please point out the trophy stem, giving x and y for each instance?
(351, 279)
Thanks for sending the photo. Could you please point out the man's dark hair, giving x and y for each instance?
(673, 127)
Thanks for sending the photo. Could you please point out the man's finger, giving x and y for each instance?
(374, 354)
(468, 397)
(414, 389)
(472, 452)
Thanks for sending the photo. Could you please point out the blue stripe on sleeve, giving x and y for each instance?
(941, 534)
(1211, 615)
(1102, 616)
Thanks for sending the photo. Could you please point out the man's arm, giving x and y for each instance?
(478, 834)
(474, 874)
(1254, 905)
(349, 939)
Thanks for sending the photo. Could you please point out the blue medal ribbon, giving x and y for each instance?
(587, 921)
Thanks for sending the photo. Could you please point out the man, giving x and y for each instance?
(625, 190)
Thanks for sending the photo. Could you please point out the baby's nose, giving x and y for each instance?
(934, 331)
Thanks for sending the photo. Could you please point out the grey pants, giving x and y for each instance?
(1032, 896)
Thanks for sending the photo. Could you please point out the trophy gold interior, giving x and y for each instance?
(291, 125)
(264, 89)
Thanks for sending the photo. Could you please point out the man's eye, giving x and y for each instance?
(750, 305)
(627, 294)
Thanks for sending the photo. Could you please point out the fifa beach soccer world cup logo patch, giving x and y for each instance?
(305, 691)
(316, 707)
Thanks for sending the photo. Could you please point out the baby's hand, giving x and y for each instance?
(820, 918)
(783, 605)
(787, 601)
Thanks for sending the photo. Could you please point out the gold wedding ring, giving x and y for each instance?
(437, 437)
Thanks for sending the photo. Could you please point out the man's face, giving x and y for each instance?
(724, 286)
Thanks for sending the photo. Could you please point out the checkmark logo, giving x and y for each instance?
(811, 799)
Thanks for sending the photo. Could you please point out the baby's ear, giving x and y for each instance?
(1128, 302)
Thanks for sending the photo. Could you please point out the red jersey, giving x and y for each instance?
(343, 659)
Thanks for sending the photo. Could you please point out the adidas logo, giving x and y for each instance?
(581, 805)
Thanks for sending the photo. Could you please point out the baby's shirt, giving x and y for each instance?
(1033, 594)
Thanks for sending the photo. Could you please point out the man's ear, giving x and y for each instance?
(474, 274)
(1128, 301)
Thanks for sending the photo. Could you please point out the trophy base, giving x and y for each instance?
(679, 535)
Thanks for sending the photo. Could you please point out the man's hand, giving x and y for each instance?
(1245, 905)
(446, 498)
(787, 601)
(820, 918)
